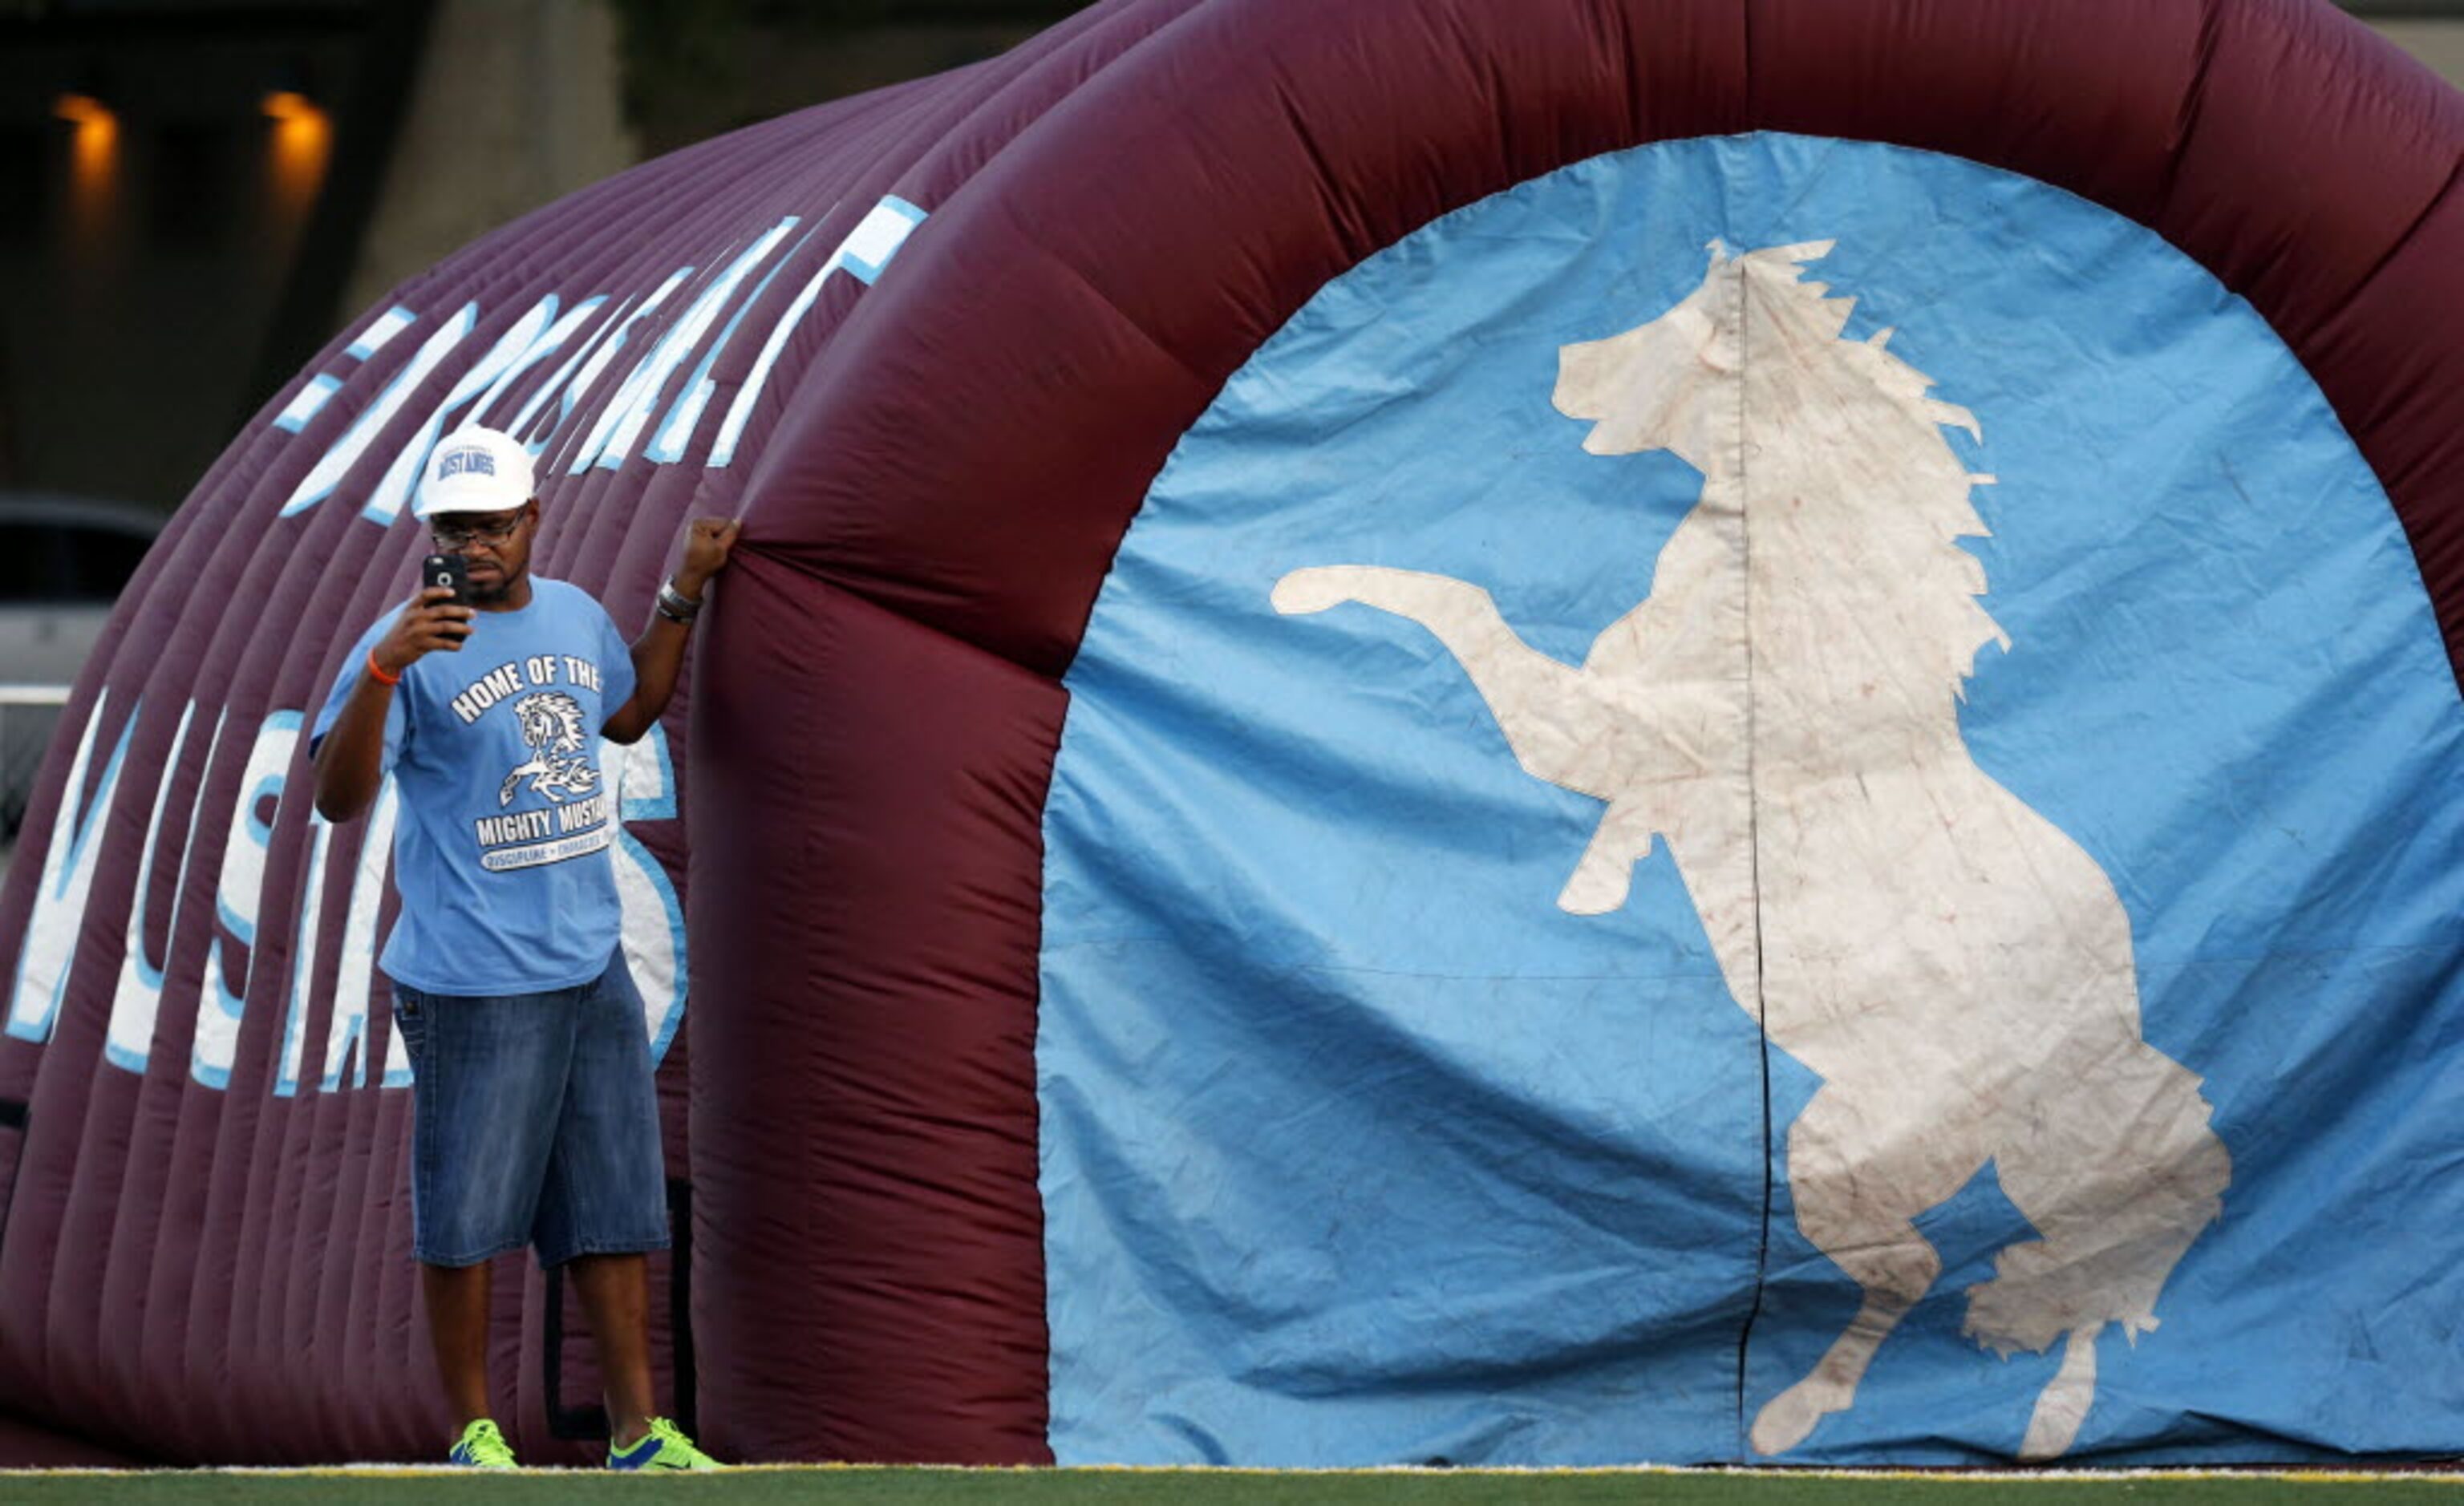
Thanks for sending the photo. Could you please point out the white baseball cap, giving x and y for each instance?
(476, 471)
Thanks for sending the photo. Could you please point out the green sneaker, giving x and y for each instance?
(481, 1447)
(665, 1446)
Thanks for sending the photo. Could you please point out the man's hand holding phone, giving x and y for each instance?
(436, 619)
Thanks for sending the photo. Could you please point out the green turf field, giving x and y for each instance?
(927, 1487)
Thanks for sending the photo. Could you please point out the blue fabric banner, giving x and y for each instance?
(1564, 547)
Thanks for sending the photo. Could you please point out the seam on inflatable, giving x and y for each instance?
(2397, 244)
(1344, 217)
(872, 604)
(1754, 853)
(2186, 115)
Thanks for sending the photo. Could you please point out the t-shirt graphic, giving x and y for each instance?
(560, 764)
(499, 853)
(562, 768)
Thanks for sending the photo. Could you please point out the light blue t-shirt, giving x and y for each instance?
(501, 850)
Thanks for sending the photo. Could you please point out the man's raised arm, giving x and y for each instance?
(659, 653)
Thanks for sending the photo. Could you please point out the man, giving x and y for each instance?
(534, 1117)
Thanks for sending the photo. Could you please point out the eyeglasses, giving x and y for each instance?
(454, 535)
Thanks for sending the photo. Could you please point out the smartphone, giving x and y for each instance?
(449, 571)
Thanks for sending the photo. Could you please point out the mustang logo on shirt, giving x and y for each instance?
(558, 768)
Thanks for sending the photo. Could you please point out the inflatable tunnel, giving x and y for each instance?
(1449, 732)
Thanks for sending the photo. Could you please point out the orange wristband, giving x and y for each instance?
(376, 669)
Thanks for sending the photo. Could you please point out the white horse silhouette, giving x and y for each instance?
(1780, 709)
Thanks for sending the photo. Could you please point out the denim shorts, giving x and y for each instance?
(533, 1121)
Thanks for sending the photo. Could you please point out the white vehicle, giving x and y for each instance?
(63, 561)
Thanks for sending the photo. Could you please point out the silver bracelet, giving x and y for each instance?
(674, 605)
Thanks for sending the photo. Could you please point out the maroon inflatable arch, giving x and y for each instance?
(205, 1253)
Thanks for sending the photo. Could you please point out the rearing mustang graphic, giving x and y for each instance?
(1781, 708)
(551, 723)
